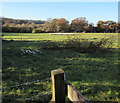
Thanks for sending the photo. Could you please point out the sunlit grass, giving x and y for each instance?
(47, 36)
(95, 76)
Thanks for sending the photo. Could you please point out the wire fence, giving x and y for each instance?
(32, 98)
(27, 83)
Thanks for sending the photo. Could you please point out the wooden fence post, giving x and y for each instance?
(58, 86)
(75, 96)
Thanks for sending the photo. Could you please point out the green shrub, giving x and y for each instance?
(82, 45)
(87, 46)
(33, 31)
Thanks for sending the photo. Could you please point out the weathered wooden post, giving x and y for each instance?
(75, 96)
(58, 86)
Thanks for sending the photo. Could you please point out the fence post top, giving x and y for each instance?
(57, 71)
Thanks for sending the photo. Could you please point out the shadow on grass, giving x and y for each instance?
(79, 67)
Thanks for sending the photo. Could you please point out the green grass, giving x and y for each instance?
(47, 36)
(94, 75)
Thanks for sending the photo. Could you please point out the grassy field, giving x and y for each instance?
(46, 36)
(94, 75)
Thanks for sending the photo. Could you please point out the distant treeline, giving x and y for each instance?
(58, 25)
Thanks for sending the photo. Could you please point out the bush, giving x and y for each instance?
(17, 29)
(82, 45)
(87, 46)
(33, 31)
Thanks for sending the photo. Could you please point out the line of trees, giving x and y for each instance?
(58, 25)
